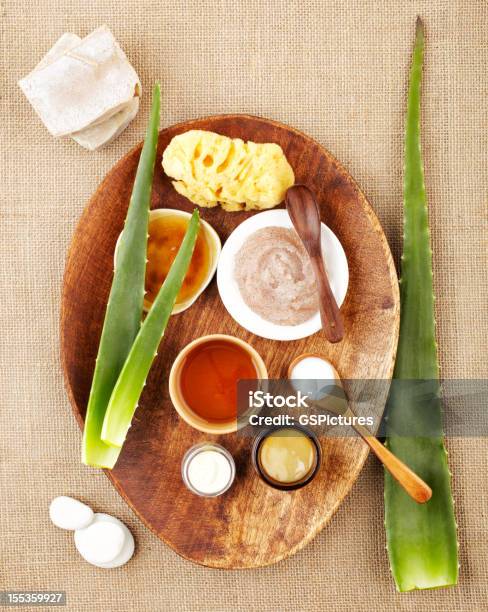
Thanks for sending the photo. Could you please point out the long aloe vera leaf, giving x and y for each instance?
(421, 539)
(126, 393)
(124, 309)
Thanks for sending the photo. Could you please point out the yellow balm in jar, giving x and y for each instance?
(287, 458)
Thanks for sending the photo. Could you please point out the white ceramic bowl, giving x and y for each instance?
(337, 268)
(214, 246)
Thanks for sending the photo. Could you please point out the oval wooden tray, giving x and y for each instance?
(252, 525)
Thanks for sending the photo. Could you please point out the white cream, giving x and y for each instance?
(311, 375)
(208, 470)
(315, 368)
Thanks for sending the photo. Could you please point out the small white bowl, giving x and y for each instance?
(334, 257)
(214, 246)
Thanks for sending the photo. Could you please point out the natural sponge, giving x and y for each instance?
(211, 169)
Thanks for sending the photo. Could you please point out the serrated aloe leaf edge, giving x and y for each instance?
(421, 538)
(124, 308)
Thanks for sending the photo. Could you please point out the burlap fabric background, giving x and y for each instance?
(338, 71)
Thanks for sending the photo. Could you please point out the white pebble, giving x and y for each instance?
(100, 542)
(68, 513)
(106, 543)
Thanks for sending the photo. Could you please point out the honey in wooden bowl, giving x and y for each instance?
(204, 378)
(166, 230)
(209, 378)
(166, 234)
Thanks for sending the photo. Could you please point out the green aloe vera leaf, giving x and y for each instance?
(126, 393)
(124, 309)
(421, 538)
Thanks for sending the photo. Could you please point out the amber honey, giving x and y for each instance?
(166, 234)
(209, 377)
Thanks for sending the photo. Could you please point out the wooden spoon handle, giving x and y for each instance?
(329, 311)
(411, 483)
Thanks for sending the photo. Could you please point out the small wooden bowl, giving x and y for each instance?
(176, 396)
(214, 246)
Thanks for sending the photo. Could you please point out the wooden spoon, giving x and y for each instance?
(406, 478)
(305, 216)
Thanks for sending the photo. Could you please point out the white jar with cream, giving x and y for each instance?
(208, 469)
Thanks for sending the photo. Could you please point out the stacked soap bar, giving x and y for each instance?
(84, 88)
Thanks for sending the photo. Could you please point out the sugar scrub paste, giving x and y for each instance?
(275, 276)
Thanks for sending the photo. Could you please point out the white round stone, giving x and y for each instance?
(68, 513)
(106, 543)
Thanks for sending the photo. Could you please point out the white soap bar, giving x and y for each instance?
(68, 513)
(106, 543)
(98, 135)
(65, 43)
(86, 84)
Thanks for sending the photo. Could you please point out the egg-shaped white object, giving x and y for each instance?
(68, 513)
(106, 542)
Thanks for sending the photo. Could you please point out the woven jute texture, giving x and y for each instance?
(338, 71)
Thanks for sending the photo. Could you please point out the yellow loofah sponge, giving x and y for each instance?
(211, 169)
